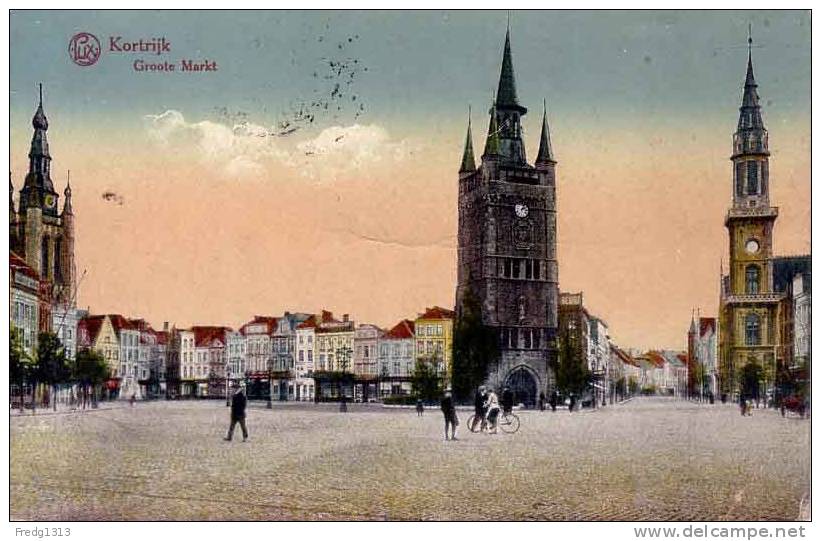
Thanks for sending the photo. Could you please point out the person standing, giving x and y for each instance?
(554, 399)
(479, 407)
(507, 400)
(238, 403)
(541, 401)
(420, 407)
(572, 402)
(449, 411)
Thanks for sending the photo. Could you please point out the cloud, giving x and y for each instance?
(252, 149)
(238, 150)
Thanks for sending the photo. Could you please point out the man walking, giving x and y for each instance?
(479, 408)
(238, 403)
(449, 411)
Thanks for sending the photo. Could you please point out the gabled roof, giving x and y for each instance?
(120, 323)
(18, 264)
(270, 323)
(706, 324)
(87, 330)
(437, 312)
(624, 356)
(204, 335)
(653, 357)
(785, 268)
(309, 323)
(403, 329)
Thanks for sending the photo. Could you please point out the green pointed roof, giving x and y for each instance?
(492, 144)
(545, 154)
(468, 161)
(750, 111)
(506, 97)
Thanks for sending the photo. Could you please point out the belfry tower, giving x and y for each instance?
(749, 304)
(507, 243)
(39, 233)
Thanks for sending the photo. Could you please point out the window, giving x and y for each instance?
(752, 281)
(514, 338)
(507, 268)
(537, 267)
(528, 342)
(739, 179)
(752, 177)
(529, 269)
(752, 327)
(516, 264)
(537, 335)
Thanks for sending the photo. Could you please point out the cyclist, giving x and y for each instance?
(492, 406)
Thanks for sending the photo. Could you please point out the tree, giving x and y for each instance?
(751, 376)
(51, 367)
(425, 382)
(572, 374)
(475, 348)
(19, 362)
(90, 370)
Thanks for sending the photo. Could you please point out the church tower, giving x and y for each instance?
(749, 304)
(507, 243)
(38, 232)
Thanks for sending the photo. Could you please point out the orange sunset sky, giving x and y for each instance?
(215, 221)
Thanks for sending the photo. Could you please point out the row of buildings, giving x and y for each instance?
(296, 356)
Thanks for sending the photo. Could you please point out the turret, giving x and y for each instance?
(468, 161)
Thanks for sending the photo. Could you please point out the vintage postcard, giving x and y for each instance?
(359, 265)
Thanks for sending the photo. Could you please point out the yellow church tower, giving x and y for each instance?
(749, 305)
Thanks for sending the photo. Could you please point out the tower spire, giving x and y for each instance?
(468, 161)
(750, 111)
(506, 97)
(67, 205)
(545, 154)
(38, 180)
(492, 143)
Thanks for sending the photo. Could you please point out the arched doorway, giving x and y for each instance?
(523, 384)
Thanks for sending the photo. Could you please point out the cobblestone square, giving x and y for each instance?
(649, 459)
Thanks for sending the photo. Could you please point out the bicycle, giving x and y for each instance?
(508, 422)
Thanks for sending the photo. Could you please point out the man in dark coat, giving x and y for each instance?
(449, 411)
(507, 400)
(554, 399)
(479, 407)
(238, 403)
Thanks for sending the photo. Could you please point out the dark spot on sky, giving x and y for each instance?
(647, 59)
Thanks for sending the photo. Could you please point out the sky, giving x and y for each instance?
(316, 167)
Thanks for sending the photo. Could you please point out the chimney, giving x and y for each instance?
(165, 326)
(344, 318)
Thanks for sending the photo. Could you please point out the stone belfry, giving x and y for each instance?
(507, 243)
(38, 231)
(749, 305)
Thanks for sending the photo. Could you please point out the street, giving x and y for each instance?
(648, 459)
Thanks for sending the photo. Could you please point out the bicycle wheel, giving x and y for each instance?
(509, 423)
(474, 423)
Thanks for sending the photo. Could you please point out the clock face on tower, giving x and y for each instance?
(752, 246)
(521, 210)
(49, 200)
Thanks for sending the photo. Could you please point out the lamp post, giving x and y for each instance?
(270, 404)
(228, 385)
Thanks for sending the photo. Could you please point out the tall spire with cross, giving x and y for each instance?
(38, 189)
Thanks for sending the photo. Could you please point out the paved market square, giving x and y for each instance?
(648, 459)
